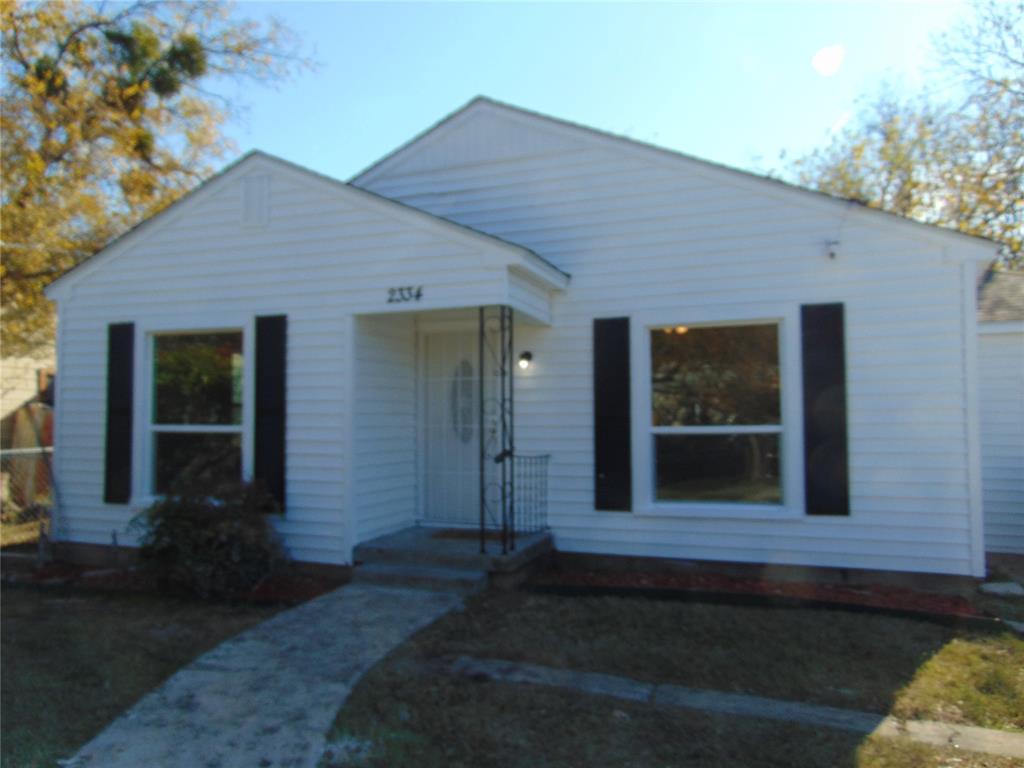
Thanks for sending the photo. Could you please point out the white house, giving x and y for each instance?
(1001, 386)
(720, 366)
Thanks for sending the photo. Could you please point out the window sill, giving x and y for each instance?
(720, 511)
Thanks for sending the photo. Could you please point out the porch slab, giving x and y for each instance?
(453, 549)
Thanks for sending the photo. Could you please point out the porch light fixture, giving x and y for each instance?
(525, 359)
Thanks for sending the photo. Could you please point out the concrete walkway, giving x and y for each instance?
(266, 698)
(972, 738)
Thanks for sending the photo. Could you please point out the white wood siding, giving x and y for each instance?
(643, 235)
(646, 236)
(313, 251)
(1001, 363)
(526, 295)
(385, 436)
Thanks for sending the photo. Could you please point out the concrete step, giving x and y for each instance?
(463, 581)
(418, 546)
(464, 560)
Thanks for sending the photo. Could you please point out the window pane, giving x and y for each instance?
(202, 462)
(718, 468)
(715, 376)
(198, 378)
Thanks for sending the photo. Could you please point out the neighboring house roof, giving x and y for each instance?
(1001, 297)
(560, 276)
(766, 182)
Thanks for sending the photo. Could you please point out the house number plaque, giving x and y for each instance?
(405, 293)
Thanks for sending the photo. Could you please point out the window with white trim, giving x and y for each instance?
(716, 414)
(196, 431)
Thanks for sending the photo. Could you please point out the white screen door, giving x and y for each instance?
(451, 422)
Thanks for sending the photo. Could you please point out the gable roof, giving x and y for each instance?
(764, 183)
(1001, 297)
(547, 270)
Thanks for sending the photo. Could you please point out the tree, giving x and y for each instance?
(107, 118)
(958, 164)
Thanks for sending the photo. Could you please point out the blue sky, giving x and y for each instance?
(730, 82)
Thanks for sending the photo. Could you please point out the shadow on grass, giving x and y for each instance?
(879, 664)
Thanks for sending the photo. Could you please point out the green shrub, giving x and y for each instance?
(213, 546)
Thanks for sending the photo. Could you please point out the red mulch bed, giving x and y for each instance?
(870, 595)
(288, 587)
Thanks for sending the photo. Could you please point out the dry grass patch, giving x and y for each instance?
(73, 660)
(838, 658)
(975, 680)
(435, 722)
(396, 719)
(405, 712)
(877, 752)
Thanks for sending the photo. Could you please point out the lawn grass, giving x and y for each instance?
(429, 721)
(73, 660)
(862, 661)
(437, 721)
(839, 658)
(877, 752)
(979, 681)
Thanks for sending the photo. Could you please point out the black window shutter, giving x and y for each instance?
(271, 406)
(826, 480)
(613, 475)
(117, 477)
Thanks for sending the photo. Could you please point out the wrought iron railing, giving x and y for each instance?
(513, 486)
(524, 508)
(497, 425)
(530, 513)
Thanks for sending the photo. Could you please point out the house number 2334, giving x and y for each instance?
(405, 293)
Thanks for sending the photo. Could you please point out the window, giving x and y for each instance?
(716, 418)
(196, 418)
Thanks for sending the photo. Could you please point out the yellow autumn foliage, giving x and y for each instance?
(957, 164)
(89, 146)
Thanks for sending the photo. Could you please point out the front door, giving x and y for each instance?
(451, 423)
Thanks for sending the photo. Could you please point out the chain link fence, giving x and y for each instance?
(26, 479)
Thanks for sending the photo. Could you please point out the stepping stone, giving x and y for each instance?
(1002, 588)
